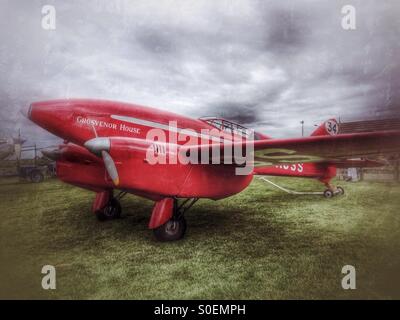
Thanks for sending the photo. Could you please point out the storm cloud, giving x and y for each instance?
(266, 64)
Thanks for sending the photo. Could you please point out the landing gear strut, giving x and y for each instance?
(112, 209)
(175, 228)
(333, 191)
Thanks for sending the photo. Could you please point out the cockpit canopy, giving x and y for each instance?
(232, 127)
(227, 126)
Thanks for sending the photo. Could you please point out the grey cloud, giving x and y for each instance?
(241, 113)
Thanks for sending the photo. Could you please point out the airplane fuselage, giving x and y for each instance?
(77, 121)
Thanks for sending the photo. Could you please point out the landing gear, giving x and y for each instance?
(175, 228)
(328, 193)
(340, 191)
(108, 207)
(333, 191)
(111, 211)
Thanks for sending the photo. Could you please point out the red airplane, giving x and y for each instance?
(106, 147)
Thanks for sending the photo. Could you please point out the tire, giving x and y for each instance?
(36, 176)
(172, 230)
(111, 211)
(328, 194)
(340, 190)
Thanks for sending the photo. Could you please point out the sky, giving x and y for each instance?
(265, 64)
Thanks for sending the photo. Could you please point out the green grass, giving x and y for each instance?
(260, 244)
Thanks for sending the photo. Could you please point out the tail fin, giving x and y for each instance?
(328, 128)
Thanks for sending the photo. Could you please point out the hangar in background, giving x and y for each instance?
(391, 172)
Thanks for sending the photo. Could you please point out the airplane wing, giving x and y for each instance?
(266, 152)
(313, 148)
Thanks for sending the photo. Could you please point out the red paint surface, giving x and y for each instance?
(162, 212)
(101, 200)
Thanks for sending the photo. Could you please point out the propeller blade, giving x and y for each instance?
(110, 167)
(101, 146)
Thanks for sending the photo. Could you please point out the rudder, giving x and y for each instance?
(328, 128)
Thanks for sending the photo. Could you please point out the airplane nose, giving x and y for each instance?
(57, 117)
(47, 114)
(26, 111)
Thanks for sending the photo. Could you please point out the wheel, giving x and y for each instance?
(328, 193)
(340, 191)
(111, 211)
(172, 230)
(36, 176)
(52, 170)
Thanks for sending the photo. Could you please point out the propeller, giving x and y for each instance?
(101, 147)
(110, 167)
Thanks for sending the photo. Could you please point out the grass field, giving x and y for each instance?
(260, 244)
